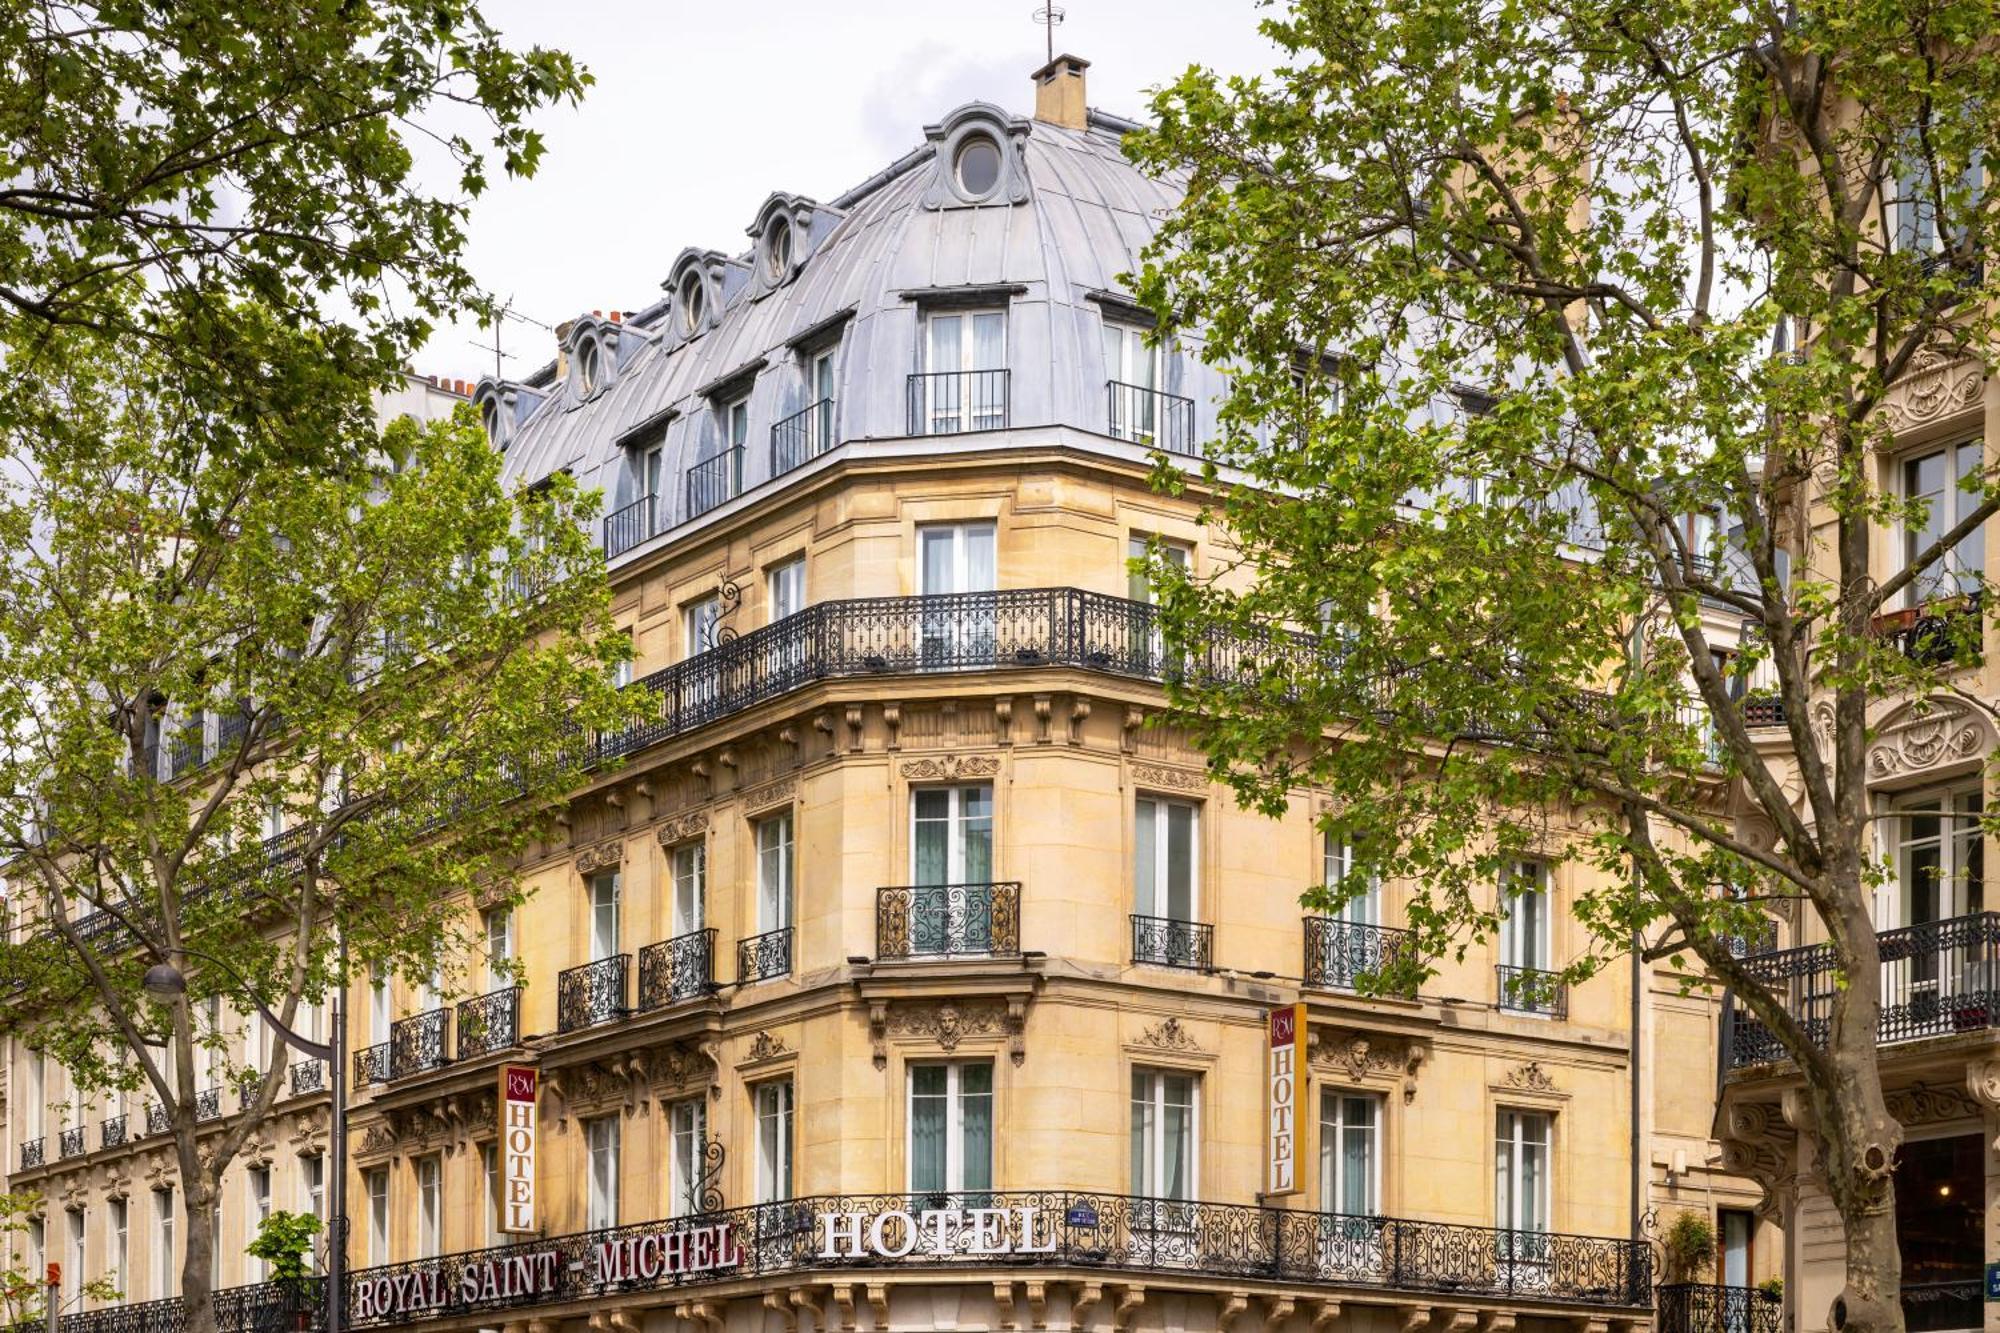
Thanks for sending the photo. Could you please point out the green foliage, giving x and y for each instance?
(285, 1241)
(1687, 1246)
(24, 1294)
(1772, 1288)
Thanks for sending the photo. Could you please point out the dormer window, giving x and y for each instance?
(778, 251)
(978, 159)
(489, 417)
(589, 368)
(977, 165)
(694, 304)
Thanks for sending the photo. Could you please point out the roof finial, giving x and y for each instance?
(1049, 16)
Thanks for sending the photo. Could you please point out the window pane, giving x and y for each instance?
(1145, 870)
(989, 341)
(1180, 862)
(927, 1128)
(979, 566)
(976, 1101)
(944, 343)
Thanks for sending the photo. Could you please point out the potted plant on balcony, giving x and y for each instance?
(284, 1241)
(1687, 1247)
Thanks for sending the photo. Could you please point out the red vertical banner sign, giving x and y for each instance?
(518, 1105)
(1286, 1027)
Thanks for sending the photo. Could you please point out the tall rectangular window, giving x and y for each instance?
(38, 1096)
(786, 584)
(604, 890)
(38, 1248)
(1133, 370)
(690, 861)
(166, 1268)
(430, 1207)
(376, 1183)
(121, 1248)
(955, 560)
(1166, 881)
(378, 1008)
(701, 621)
(489, 1179)
(499, 925)
(601, 1177)
(1521, 1171)
(819, 387)
(774, 872)
(951, 1134)
(72, 1286)
(1524, 920)
(258, 1182)
(1936, 479)
(687, 1123)
(774, 1140)
(312, 1184)
(1163, 1134)
(965, 357)
(1349, 1153)
(951, 867)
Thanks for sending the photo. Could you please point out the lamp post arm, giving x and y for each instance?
(318, 1050)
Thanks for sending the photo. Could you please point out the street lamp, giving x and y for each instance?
(166, 982)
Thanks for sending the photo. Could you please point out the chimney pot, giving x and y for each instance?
(1059, 92)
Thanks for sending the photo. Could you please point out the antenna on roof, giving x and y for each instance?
(1050, 17)
(501, 315)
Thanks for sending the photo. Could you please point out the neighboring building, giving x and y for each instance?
(906, 947)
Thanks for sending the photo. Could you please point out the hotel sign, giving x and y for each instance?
(1287, 1029)
(517, 1148)
(934, 1233)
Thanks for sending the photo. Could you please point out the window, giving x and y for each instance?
(694, 303)
(1163, 1134)
(166, 1274)
(1137, 549)
(1347, 941)
(72, 1277)
(499, 948)
(1940, 1230)
(1521, 1180)
(1737, 1231)
(377, 1185)
(1940, 868)
(819, 387)
(778, 250)
(951, 1134)
(787, 588)
(489, 1179)
(956, 558)
(38, 1249)
(965, 387)
(121, 1248)
(38, 1095)
(652, 476)
(601, 1178)
(312, 1184)
(690, 871)
(701, 620)
(603, 916)
(951, 843)
(687, 1124)
(977, 166)
(774, 1141)
(258, 1181)
(1524, 936)
(1165, 880)
(588, 367)
(1913, 204)
(1936, 479)
(430, 1207)
(774, 872)
(1349, 1153)
(378, 1008)
(736, 431)
(1133, 370)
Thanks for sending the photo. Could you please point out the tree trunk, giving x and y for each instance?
(198, 1268)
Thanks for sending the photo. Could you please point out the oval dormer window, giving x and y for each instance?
(977, 165)
(778, 251)
(587, 368)
(489, 417)
(694, 304)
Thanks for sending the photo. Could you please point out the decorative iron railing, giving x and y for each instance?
(156, 1118)
(714, 481)
(1938, 978)
(111, 1134)
(948, 920)
(764, 956)
(1688, 1307)
(1339, 953)
(681, 968)
(1937, 634)
(952, 402)
(591, 994)
(417, 1043)
(1166, 941)
(70, 1142)
(34, 1153)
(270, 1307)
(489, 1023)
(802, 437)
(1152, 418)
(1530, 990)
(307, 1076)
(626, 527)
(371, 1064)
(208, 1104)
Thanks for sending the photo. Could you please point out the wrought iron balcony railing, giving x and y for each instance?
(307, 1076)
(371, 1064)
(34, 1153)
(591, 994)
(802, 437)
(111, 1134)
(1530, 990)
(1166, 941)
(208, 1104)
(948, 920)
(625, 528)
(952, 402)
(489, 1023)
(70, 1142)
(1936, 634)
(1688, 1307)
(762, 957)
(1152, 418)
(1338, 953)
(156, 1118)
(1938, 978)
(417, 1043)
(714, 481)
(269, 1307)
(682, 968)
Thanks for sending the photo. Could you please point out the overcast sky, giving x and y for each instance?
(700, 110)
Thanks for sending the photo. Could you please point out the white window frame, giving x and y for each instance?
(1154, 899)
(959, 408)
(957, 825)
(76, 1252)
(785, 588)
(1533, 947)
(120, 1229)
(1136, 368)
(430, 1206)
(607, 908)
(687, 1141)
(601, 1164)
(777, 903)
(775, 1114)
(375, 1185)
(489, 1176)
(1949, 576)
(963, 574)
(1513, 1145)
(701, 622)
(1335, 1107)
(688, 864)
(1149, 1132)
(312, 1184)
(499, 923)
(954, 1100)
(166, 1273)
(257, 1188)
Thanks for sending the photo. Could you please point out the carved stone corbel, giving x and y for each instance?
(1463, 1321)
(1128, 733)
(878, 1303)
(1042, 708)
(1003, 720)
(854, 717)
(1017, 1029)
(776, 1303)
(823, 724)
(842, 1295)
(1003, 1305)
(1325, 1315)
(1038, 1304)
(892, 718)
(1235, 1303)
(878, 1031)
(1497, 1321)
(1131, 1299)
(1277, 1309)
(1410, 1318)
(1079, 709)
(789, 735)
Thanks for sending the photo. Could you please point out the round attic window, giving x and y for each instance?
(778, 250)
(489, 417)
(587, 367)
(694, 304)
(977, 165)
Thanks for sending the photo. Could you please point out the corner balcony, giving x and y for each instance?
(942, 921)
(1938, 978)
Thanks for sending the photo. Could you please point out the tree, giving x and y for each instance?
(1497, 286)
(262, 720)
(24, 1293)
(169, 164)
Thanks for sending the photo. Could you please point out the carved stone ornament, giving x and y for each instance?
(1928, 1103)
(1982, 1080)
(770, 793)
(1757, 1143)
(1365, 1055)
(683, 828)
(1169, 777)
(949, 767)
(765, 1047)
(1944, 733)
(1935, 387)
(1531, 1077)
(1170, 1035)
(948, 1022)
(604, 856)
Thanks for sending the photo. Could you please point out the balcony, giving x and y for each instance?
(70, 1142)
(1938, 978)
(625, 528)
(208, 1104)
(489, 1023)
(802, 437)
(371, 1064)
(714, 481)
(681, 968)
(1688, 1307)
(1149, 417)
(1339, 953)
(1529, 990)
(762, 957)
(1166, 941)
(417, 1044)
(956, 401)
(1936, 634)
(591, 994)
(111, 1134)
(156, 1118)
(948, 921)
(307, 1076)
(34, 1153)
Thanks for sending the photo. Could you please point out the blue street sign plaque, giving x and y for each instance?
(1993, 1282)
(1083, 1215)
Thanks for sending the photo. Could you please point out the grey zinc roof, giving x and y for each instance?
(1087, 216)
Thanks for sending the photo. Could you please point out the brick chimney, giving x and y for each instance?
(1059, 92)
